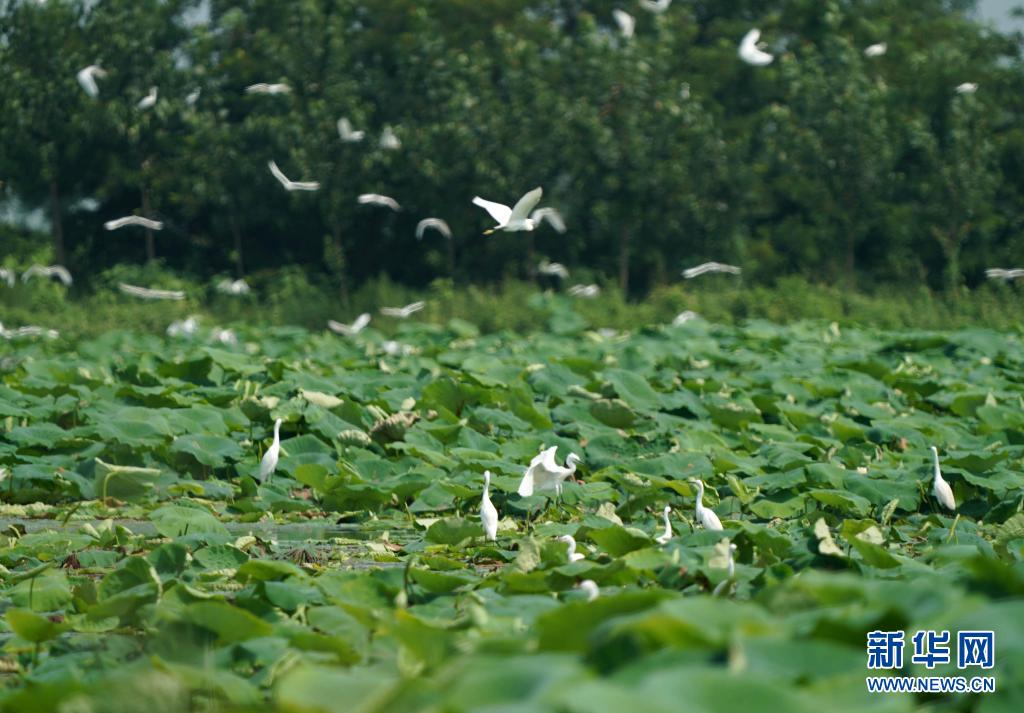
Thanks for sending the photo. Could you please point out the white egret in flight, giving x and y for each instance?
(133, 220)
(290, 185)
(488, 513)
(999, 273)
(388, 140)
(8, 276)
(434, 224)
(87, 79)
(183, 327)
(27, 331)
(233, 287)
(625, 21)
(347, 133)
(684, 317)
(512, 219)
(751, 52)
(264, 88)
(655, 6)
(379, 200)
(150, 294)
(667, 534)
(967, 88)
(586, 291)
(269, 463)
(590, 588)
(58, 271)
(876, 50)
(554, 269)
(940, 488)
(149, 100)
(709, 267)
(544, 473)
(349, 330)
(403, 312)
(570, 547)
(705, 516)
(551, 215)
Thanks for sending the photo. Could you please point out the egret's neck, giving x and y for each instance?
(938, 472)
(487, 484)
(277, 431)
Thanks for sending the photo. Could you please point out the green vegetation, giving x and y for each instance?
(142, 567)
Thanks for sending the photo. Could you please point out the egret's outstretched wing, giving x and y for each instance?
(500, 213)
(361, 321)
(435, 223)
(526, 204)
(552, 216)
(278, 174)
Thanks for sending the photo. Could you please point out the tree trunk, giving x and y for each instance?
(150, 243)
(624, 260)
(236, 234)
(57, 224)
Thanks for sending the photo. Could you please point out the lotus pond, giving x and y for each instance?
(144, 568)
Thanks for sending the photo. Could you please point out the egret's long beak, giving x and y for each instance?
(488, 231)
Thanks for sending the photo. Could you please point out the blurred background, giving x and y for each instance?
(829, 170)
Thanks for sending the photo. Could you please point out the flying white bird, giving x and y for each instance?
(87, 79)
(876, 50)
(434, 223)
(655, 6)
(183, 327)
(269, 463)
(388, 140)
(544, 473)
(705, 516)
(512, 219)
(967, 88)
(587, 291)
(998, 273)
(709, 267)
(58, 271)
(940, 488)
(264, 88)
(150, 294)
(192, 97)
(233, 287)
(347, 133)
(684, 317)
(134, 220)
(554, 269)
(290, 185)
(149, 100)
(349, 330)
(488, 513)
(8, 276)
(753, 53)
(28, 331)
(667, 534)
(379, 200)
(625, 21)
(551, 215)
(590, 588)
(403, 312)
(570, 547)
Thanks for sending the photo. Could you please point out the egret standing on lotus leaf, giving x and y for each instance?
(488, 513)
(705, 516)
(269, 463)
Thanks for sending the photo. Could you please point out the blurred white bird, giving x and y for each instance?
(434, 223)
(705, 516)
(192, 97)
(264, 88)
(512, 219)
(379, 200)
(269, 462)
(290, 185)
(544, 473)
(587, 291)
(709, 267)
(684, 91)
(183, 327)
(150, 294)
(402, 312)
(570, 543)
(58, 271)
(551, 215)
(625, 21)
(589, 586)
(27, 331)
(349, 330)
(488, 513)
(388, 140)
(8, 276)
(554, 269)
(346, 132)
(655, 6)
(233, 287)
(998, 273)
(226, 337)
(149, 100)
(876, 50)
(730, 569)
(684, 317)
(87, 79)
(133, 220)
(667, 534)
(752, 53)
(967, 88)
(940, 488)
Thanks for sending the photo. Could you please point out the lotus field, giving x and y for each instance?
(145, 566)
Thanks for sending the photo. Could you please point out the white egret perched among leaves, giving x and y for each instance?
(940, 488)
(290, 185)
(350, 329)
(193, 96)
(876, 50)
(570, 548)
(87, 79)
(512, 219)
(8, 276)
(587, 291)
(488, 513)
(233, 287)
(967, 88)
(183, 327)
(544, 473)
(730, 568)
(269, 463)
(667, 534)
(590, 588)
(433, 224)
(625, 21)
(264, 88)
(999, 273)
(551, 215)
(148, 101)
(705, 516)
(655, 6)
(684, 317)
(553, 269)
(403, 312)
(150, 294)
(133, 220)
(751, 52)
(58, 271)
(710, 267)
(378, 199)
(347, 134)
